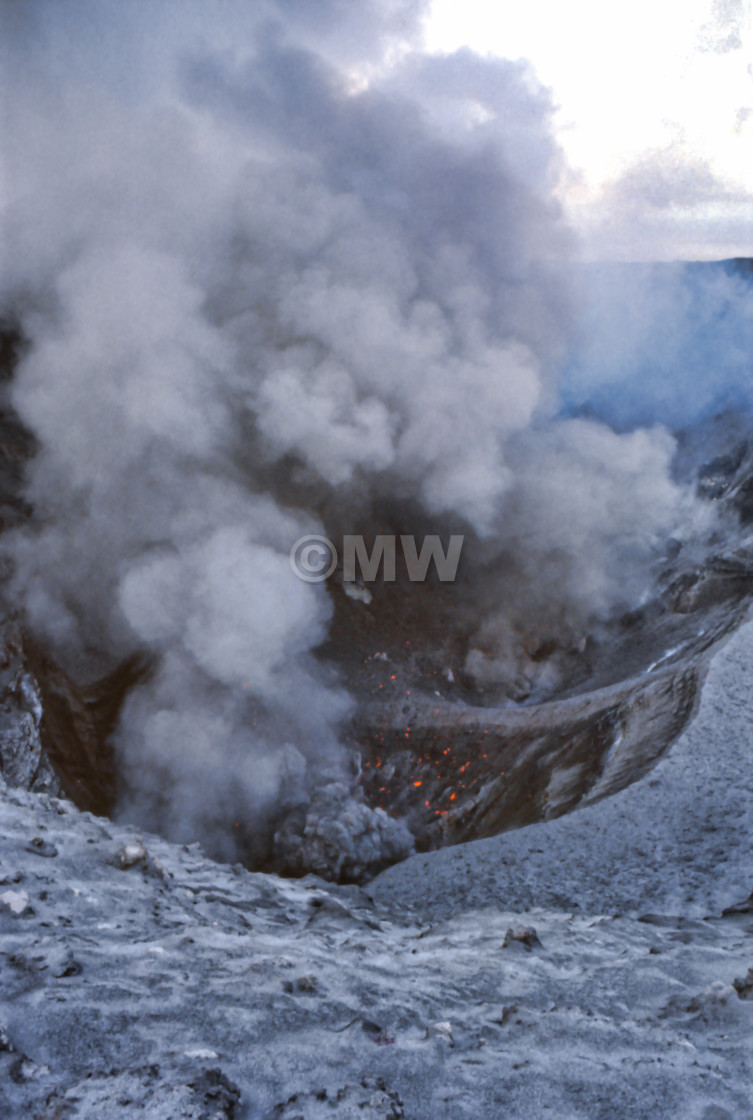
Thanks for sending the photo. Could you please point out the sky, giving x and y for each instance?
(655, 113)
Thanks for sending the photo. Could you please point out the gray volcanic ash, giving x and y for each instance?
(174, 986)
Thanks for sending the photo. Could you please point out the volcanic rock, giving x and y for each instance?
(146, 1091)
(339, 837)
(14, 902)
(41, 847)
(306, 984)
(24, 760)
(744, 988)
(744, 907)
(522, 935)
(131, 854)
(369, 1099)
(442, 1031)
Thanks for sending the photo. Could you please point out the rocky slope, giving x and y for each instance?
(157, 983)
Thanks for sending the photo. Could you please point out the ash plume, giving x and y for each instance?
(274, 269)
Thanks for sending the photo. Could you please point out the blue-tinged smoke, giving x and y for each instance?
(661, 343)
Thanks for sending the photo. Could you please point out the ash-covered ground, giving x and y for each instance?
(279, 270)
(154, 982)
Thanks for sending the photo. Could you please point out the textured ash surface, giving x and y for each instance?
(168, 988)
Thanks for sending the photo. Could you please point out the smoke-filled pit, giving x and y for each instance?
(281, 273)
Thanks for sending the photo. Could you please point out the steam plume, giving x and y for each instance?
(268, 265)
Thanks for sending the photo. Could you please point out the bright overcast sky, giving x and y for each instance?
(633, 80)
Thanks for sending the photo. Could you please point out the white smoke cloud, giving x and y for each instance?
(666, 343)
(267, 263)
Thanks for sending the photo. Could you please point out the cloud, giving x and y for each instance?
(668, 204)
(724, 32)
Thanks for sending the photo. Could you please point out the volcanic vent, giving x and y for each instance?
(560, 725)
(435, 756)
(287, 274)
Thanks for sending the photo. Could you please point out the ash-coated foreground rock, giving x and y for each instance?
(170, 986)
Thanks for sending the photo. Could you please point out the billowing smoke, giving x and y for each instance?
(665, 343)
(275, 267)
